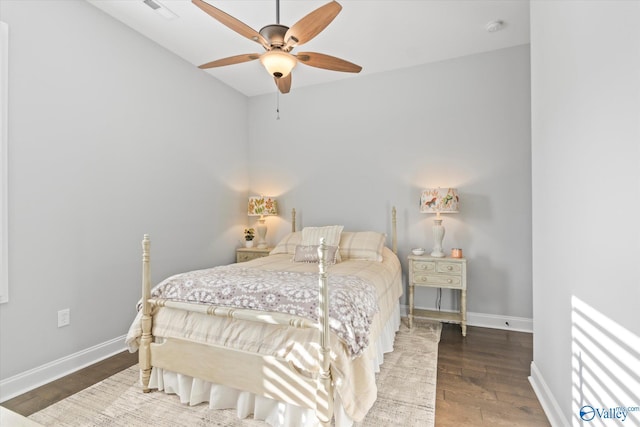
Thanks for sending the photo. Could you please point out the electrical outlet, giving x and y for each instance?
(64, 317)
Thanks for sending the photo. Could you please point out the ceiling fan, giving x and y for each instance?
(279, 40)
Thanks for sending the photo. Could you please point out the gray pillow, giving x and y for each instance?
(309, 253)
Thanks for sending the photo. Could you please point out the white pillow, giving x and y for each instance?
(288, 244)
(331, 234)
(363, 245)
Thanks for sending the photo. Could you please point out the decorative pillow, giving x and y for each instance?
(288, 244)
(331, 234)
(362, 245)
(309, 253)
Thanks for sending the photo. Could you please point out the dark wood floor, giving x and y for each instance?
(41, 397)
(482, 380)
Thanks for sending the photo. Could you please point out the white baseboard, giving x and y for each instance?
(510, 323)
(494, 321)
(548, 402)
(33, 378)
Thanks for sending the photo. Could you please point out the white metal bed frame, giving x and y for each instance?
(237, 368)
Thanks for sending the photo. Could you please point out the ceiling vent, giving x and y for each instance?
(160, 9)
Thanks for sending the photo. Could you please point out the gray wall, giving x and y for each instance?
(110, 136)
(346, 152)
(586, 205)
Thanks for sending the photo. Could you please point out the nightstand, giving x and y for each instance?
(449, 273)
(247, 254)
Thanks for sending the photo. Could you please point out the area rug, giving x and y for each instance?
(406, 394)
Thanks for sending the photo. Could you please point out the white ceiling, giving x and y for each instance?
(376, 34)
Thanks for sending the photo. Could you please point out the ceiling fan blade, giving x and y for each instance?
(231, 22)
(230, 60)
(284, 83)
(328, 62)
(312, 24)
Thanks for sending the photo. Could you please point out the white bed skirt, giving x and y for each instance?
(193, 391)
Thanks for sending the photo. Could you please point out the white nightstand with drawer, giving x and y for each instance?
(247, 254)
(450, 273)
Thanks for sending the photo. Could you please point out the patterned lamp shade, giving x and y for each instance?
(262, 205)
(439, 200)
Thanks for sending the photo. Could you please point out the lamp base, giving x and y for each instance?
(438, 235)
(262, 233)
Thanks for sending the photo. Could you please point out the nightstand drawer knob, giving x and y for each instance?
(449, 268)
(424, 266)
(449, 281)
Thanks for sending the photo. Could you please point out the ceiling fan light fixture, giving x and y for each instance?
(278, 41)
(278, 63)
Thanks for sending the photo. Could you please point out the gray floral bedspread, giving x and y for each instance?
(352, 300)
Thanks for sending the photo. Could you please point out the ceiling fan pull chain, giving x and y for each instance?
(277, 105)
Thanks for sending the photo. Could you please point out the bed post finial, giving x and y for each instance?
(394, 231)
(293, 220)
(146, 274)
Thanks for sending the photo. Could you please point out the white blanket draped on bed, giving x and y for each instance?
(354, 379)
(353, 300)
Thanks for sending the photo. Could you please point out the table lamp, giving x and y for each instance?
(439, 200)
(261, 206)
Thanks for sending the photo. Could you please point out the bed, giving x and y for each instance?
(262, 337)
